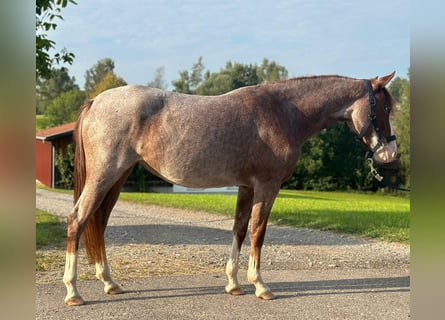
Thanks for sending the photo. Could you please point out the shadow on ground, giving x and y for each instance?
(283, 290)
(190, 234)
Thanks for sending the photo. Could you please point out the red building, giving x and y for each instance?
(48, 143)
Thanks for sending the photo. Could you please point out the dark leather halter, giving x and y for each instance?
(372, 119)
(382, 140)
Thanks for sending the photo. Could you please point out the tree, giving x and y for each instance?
(332, 160)
(189, 82)
(96, 73)
(109, 81)
(158, 81)
(49, 89)
(64, 109)
(47, 12)
(234, 75)
(196, 75)
(271, 71)
(183, 83)
(400, 90)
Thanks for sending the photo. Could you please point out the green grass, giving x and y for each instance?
(50, 230)
(378, 216)
(369, 215)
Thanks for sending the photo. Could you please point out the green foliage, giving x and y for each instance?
(42, 122)
(271, 71)
(47, 12)
(235, 75)
(332, 160)
(158, 81)
(96, 73)
(64, 163)
(49, 89)
(182, 84)
(109, 81)
(196, 75)
(64, 109)
(400, 90)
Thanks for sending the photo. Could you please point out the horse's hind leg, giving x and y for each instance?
(87, 204)
(242, 216)
(90, 214)
(102, 268)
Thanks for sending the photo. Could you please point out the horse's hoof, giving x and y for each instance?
(266, 295)
(114, 290)
(75, 301)
(235, 292)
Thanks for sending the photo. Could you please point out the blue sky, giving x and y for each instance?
(353, 38)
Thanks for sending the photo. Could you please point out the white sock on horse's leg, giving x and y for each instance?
(104, 275)
(233, 286)
(262, 291)
(73, 297)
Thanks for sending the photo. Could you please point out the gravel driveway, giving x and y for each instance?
(171, 262)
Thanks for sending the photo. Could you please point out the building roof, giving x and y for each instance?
(56, 132)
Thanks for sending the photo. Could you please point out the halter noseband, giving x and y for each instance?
(372, 119)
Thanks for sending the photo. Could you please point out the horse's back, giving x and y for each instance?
(198, 141)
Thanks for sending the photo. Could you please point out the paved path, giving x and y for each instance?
(315, 274)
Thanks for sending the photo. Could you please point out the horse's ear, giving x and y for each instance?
(381, 82)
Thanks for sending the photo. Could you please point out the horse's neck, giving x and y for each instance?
(323, 102)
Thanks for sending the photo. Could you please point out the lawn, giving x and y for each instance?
(380, 216)
(50, 234)
(50, 230)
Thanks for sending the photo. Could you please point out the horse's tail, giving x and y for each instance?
(79, 157)
(94, 228)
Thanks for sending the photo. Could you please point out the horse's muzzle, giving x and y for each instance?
(386, 153)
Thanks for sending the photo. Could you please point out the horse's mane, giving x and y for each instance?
(292, 81)
(311, 77)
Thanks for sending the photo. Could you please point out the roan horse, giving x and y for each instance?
(250, 137)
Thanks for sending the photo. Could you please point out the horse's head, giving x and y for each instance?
(371, 119)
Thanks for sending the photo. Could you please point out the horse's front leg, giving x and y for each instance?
(263, 202)
(242, 216)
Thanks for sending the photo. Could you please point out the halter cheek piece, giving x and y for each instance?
(372, 119)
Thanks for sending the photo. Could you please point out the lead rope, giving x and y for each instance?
(374, 171)
(380, 178)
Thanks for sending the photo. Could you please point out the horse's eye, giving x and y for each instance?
(387, 109)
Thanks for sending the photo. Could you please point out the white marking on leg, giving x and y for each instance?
(254, 277)
(104, 275)
(232, 270)
(70, 276)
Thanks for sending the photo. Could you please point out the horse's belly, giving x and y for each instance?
(199, 177)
